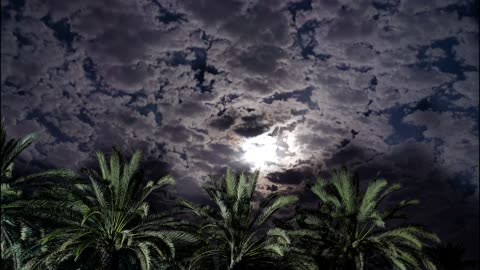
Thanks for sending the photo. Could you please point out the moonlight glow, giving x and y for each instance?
(260, 150)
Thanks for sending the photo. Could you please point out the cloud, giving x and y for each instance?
(458, 146)
(291, 177)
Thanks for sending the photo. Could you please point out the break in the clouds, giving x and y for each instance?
(295, 88)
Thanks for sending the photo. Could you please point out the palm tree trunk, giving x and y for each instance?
(350, 264)
(110, 261)
(232, 257)
(232, 261)
(114, 262)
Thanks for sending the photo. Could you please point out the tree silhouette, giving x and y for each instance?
(107, 222)
(17, 230)
(234, 232)
(348, 229)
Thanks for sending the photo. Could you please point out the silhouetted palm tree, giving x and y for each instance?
(10, 149)
(107, 222)
(348, 230)
(235, 235)
(16, 229)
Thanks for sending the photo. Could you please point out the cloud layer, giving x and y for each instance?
(389, 86)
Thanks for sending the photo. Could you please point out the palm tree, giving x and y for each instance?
(235, 234)
(16, 229)
(348, 229)
(107, 221)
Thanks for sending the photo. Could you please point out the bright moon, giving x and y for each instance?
(259, 150)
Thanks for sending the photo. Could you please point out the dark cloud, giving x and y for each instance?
(250, 129)
(222, 123)
(204, 11)
(348, 28)
(263, 22)
(291, 176)
(303, 96)
(261, 60)
(61, 31)
(251, 126)
(130, 78)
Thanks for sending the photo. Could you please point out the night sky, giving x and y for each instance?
(295, 89)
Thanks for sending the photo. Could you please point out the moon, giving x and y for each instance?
(261, 150)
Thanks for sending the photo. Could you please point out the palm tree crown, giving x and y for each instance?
(16, 229)
(235, 237)
(10, 149)
(109, 219)
(348, 230)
